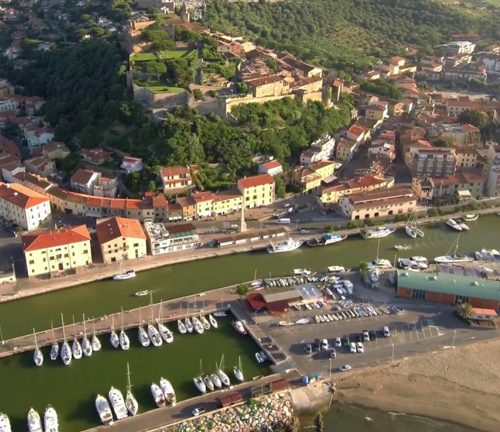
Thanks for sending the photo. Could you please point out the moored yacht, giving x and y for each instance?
(165, 332)
(452, 223)
(124, 339)
(54, 349)
(239, 327)
(200, 384)
(86, 345)
(198, 327)
(189, 325)
(129, 274)
(181, 327)
(463, 225)
(223, 377)
(77, 349)
(238, 371)
(204, 322)
(37, 353)
(34, 421)
(410, 231)
(213, 321)
(143, 336)
(103, 410)
(158, 395)
(455, 258)
(168, 391)
(130, 401)
(216, 380)
(117, 403)
(209, 383)
(50, 420)
(471, 217)
(113, 336)
(66, 354)
(4, 423)
(419, 258)
(327, 239)
(377, 232)
(284, 246)
(336, 269)
(154, 335)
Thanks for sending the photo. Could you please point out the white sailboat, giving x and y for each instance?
(129, 274)
(50, 420)
(117, 403)
(34, 421)
(54, 349)
(199, 383)
(124, 340)
(103, 410)
(198, 327)
(449, 259)
(86, 345)
(222, 375)
(410, 232)
(238, 371)
(204, 322)
(37, 353)
(130, 401)
(158, 395)
(142, 334)
(96, 343)
(66, 354)
(213, 321)
(113, 337)
(208, 383)
(165, 332)
(216, 380)
(76, 346)
(377, 232)
(168, 391)
(181, 327)
(154, 335)
(452, 223)
(4, 423)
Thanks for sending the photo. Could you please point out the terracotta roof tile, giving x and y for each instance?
(51, 239)
(20, 195)
(254, 181)
(119, 227)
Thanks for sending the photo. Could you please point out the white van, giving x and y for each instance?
(387, 333)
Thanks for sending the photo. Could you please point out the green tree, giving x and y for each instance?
(198, 95)
(473, 117)
(280, 187)
(242, 289)
(443, 142)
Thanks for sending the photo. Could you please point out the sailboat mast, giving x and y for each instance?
(456, 244)
(129, 386)
(34, 336)
(64, 333)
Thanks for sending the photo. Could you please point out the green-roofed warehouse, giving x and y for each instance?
(448, 288)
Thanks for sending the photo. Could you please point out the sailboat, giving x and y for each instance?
(198, 327)
(130, 401)
(448, 259)
(50, 420)
(113, 337)
(37, 354)
(165, 332)
(77, 347)
(86, 345)
(204, 322)
(216, 380)
(379, 262)
(54, 349)
(412, 229)
(181, 327)
(153, 333)
(199, 383)
(117, 403)
(238, 371)
(129, 274)
(124, 340)
(104, 410)
(208, 382)
(222, 375)
(158, 395)
(66, 354)
(168, 391)
(96, 343)
(4, 423)
(34, 421)
(142, 334)
(213, 321)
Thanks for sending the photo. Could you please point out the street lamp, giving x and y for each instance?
(392, 351)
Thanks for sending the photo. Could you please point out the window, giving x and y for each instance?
(32, 262)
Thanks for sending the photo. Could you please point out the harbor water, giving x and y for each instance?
(72, 390)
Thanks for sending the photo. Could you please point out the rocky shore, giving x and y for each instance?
(274, 412)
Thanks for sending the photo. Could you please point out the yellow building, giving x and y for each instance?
(226, 202)
(331, 195)
(310, 178)
(257, 190)
(203, 204)
(121, 239)
(56, 251)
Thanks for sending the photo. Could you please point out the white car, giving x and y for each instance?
(360, 348)
(352, 348)
(324, 345)
(345, 368)
(338, 343)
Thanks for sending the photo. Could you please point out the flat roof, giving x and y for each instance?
(446, 283)
(308, 291)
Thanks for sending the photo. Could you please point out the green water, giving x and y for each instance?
(72, 390)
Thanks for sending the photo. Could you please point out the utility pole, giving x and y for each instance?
(392, 352)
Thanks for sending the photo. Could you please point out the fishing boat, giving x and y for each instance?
(377, 232)
(204, 322)
(86, 345)
(158, 395)
(452, 223)
(103, 410)
(113, 337)
(208, 383)
(141, 293)
(50, 420)
(130, 401)
(154, 335)
(449, 259)
(189, 325)
(326, 240)
(471, 217)
(410, 232)
(54, 349)
(34, 421)
(402, 247)
(117, 403)
(220, 314)
(66, 354)
(213, 321)
(198, 327)
(4, 423)
(142, 333)
(168, 391)
(216, 380)
(239, 327)
(124, 339)
(284, 246)
(96, 343)
(200, 384)
(238, 371)
(37, 353)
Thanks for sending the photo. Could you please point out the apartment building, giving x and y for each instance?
(57, 251)
(310, 178)
(121, 239)
(176, 178)
(356, 184)
(23, 206)
(257, 191)
(431, 161)
(174, 238)
(321, 149)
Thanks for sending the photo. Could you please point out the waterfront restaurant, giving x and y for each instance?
(448, 288)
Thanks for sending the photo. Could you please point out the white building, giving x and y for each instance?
(460, 47)
(23, 206)
(172, 239)
(131, 164)
(321, 149)
(272, 167)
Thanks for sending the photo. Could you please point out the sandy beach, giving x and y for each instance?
(461, 385)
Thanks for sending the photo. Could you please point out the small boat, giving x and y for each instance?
(117, 403)
(418, 231)
(77, 349)
(54, 349)
(86, 345)
(410, 231)
(464, 226)
(165, 333)
(419, 258)
(96, 343)
(204, 322)
(284, 246)
(452, 223)
(450, 259)
(50, 420)
(103, 410)
(66, 354)
(213, 321)
(4, 423)
(239, 327)
(471, 217)
(259, 357)
(129, 274)
(154, 336)
(141, 293)
(208, 383)
(130, 401)
(216, 380)
(301, 272)
(181, 327)
(124, 339)
(37, 353)
(326, 240)
(220, 314)
(238, 371)
(158, 395)
(198, 327)
(188, 324)
(224, 378)
(200, 384)
(168, 391)
(380, 263)
(336, 269)
(34, 421)
(402, 247)
(142, 333)
(377, 232)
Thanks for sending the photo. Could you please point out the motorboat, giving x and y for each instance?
(165, 333)
(200, 384)
(336, 269)
(158, 395)
(410, 231)
(103, 410)
(208, 383)
(168, 391)
(154, 335)
(326, 240)
(50, 420)
(34, 421)
(188, 324)
(452, 223)
(130, 401)
(198, 327)
(181, 327)
(4, 423)
(204, 322)
(239, 327)
(418, 231)
(238, 371)
(213, 321)
(117, 403)
(54, 349)
(408, 264)
(220, 314)
(129, 274)
(471, 217)
(419, 259)
(301, 272)
(380, 263)
(377, 232)
(141, 293)
(284, 246)
(402, 247)
(216, 380)
(124, 340)
(86, 345)
(463, 225)
(259, 357)
(96, 343)
(37, 353)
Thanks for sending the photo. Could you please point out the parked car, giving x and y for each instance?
(308, 349)
(338, 343)
(345, 341)
(324, 345)
(352, 348)
(360, 348)
(366, 336)
(386, 331)
(373, 335)
(345, 368)
(332, 353)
